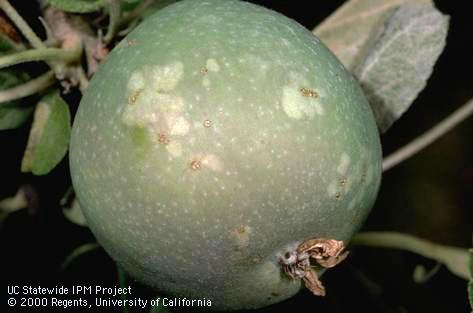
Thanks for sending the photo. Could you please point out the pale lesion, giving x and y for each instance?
(324, 252)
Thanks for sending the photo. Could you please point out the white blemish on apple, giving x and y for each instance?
(291, 103)
(332, 188)
(137, 81)
(343, 164)
(178, 125)
(212, 162)
(165, 78)
(174, 148)
(212, 65)
(205, 81)
(152, 106)
(299, 101)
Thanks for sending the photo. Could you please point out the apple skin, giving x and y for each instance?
(214, 138)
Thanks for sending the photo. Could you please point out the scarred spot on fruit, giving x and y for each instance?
(343, 164)
(178, 125)
(299, 102)
(212, 162)
(332, 189)
(165, 78)
(137, 81)
(206, 82)
(212, 65)
(174, 148)
(154, 107)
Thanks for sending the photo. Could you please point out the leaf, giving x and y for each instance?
(128, 5)
(349, 30)
(49, 136)
(77, 6)
(12, 113)
(13, 116)
(401, 60)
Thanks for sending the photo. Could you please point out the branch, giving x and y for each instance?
(25, 29)
(29, 88)
(455, 259)
(43, 54)
(430, 136)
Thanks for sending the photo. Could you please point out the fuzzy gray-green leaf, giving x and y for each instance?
(77, 6)
(49, 135)
(349, 30)
(401, 60)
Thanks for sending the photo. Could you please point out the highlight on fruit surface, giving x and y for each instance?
(223, 152)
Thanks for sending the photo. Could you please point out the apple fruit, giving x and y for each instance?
(216, 139)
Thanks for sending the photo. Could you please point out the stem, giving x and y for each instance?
(114, 20)
(43, 54)
(83, 80)
(430, 136)
(15, 203)
(455, 259)
(122, 282)
(21, 24)
(29, 88)
(78, 252)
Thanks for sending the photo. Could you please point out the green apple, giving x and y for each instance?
(215, 138)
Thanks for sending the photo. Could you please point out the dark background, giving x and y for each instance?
(428, 196)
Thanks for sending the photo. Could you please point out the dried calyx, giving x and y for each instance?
(323, 252)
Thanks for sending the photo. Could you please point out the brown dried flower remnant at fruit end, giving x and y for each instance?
(306, 92)
(323, 252)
